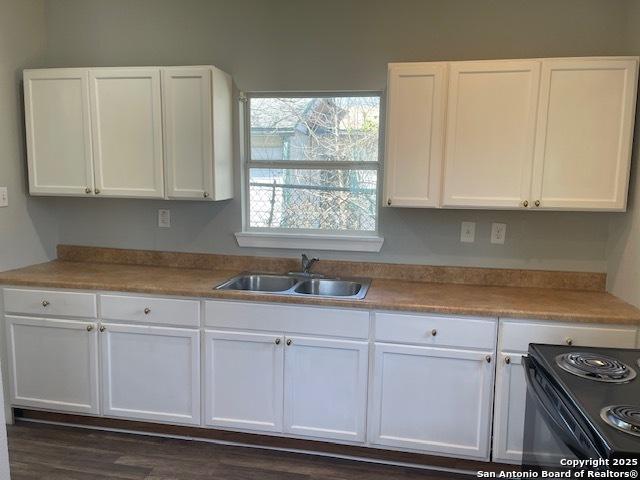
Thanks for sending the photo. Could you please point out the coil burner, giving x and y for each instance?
(596, 367)
(625, 418)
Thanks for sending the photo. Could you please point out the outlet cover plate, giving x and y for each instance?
(498, 233)
(468, 232)
(164, 218)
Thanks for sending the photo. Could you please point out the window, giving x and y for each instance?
(312, 164)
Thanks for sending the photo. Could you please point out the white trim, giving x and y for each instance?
(311, 241)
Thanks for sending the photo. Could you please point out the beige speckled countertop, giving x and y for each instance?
(386, 294)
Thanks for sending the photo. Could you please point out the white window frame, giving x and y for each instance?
(285, 238)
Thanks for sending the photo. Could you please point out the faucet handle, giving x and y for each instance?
(307, 263)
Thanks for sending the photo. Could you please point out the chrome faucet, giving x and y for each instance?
(307, 263)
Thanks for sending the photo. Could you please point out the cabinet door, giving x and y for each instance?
(585, 132)
(127, 132)
(510, 403)
(415, 134)
(151, 373)
(188, 132)
(322, 372)
(243, 380)
(53, 364)
(432, 400)
(58, 132)
(511, 394)
(491, 118)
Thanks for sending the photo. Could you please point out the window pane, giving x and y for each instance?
(322, 128)
(313, 199)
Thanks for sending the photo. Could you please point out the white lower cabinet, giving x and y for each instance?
(511, 387)
(151, 373)
(325, 386)
(243, 380)
(276, 383)
(53, 364)
(293, 370)
(511, 396)
(435, 400)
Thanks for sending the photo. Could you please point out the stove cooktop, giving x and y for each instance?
(602, 386)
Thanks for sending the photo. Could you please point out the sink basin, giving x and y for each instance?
(260, 283)
(329, 288)
(298, 285)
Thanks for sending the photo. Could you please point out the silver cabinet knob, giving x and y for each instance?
(434, 332)
(507, 360)
(102, 328)
(205, 194)
(277, 341)
(87, 190)
(488, 358)
(147, 311)
(97, 191)
(569, 341)
(289, 342)
(525, 204)
(389, 201)
(537, 203)
(89, 328)
(45, 303)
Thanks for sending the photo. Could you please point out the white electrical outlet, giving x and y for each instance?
(498, 232)
(164, 218)
(4, 197)
(468, 232)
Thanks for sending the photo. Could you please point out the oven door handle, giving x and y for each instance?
(556, 420)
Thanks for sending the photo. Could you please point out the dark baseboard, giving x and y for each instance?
(258, 440)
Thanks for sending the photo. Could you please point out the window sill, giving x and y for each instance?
(311, 241)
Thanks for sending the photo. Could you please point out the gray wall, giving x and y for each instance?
(28, 230)
(623, 247)
(333, 44)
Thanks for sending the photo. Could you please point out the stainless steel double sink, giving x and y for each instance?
(298, 285)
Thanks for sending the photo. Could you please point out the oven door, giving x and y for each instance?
(551, 433)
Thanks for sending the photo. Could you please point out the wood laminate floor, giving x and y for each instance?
(39, 451)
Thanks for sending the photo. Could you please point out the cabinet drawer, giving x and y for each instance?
(166, 311)
(436, 330)
(273, 317)
(517, 335)
(49, 302)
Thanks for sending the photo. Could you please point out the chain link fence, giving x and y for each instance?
(332, 200)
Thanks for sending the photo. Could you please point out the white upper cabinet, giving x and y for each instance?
(534, 134)
(113, 131)
(127, 132)
(58, 129)
(490, 133)
(585, 132)
(415, 133)
(197, 131)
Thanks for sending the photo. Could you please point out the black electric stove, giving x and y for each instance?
(582, 404)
